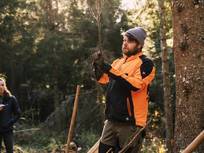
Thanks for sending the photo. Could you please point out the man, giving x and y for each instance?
(128, 79)
(9, 114)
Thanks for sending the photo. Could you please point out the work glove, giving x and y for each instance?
(98, 60)
(99, 65)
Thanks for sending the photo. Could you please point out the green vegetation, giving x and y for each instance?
(45, 49)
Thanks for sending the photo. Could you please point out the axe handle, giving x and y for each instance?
(196, 142)
(74, 113)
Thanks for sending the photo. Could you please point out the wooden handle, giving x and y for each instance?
(196, 142)
(74, 113)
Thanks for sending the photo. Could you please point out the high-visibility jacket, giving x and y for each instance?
(128, 79)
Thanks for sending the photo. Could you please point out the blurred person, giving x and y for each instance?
(9, 114)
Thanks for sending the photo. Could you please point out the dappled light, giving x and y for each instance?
(138, 63)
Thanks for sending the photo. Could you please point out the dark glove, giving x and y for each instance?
(99, 63)
(98, 60)
(97, 72)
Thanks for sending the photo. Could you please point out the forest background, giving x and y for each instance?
(45, 51)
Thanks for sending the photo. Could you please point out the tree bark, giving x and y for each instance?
(166, 79)
(188, 26)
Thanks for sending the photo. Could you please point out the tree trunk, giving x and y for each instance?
(96, 11)
(99, 24)
(188, 25)
(166, 80)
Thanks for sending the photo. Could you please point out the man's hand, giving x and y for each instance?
(99, 65)
(98, 60)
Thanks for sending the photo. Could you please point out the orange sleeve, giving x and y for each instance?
(134, 82)
(131, 81)
(104, 79)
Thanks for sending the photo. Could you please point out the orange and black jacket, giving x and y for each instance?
(128, 79)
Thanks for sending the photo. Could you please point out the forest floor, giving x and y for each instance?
(42, 141)
(36, 139)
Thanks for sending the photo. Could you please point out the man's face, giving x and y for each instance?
(128, 45)
(2, 87)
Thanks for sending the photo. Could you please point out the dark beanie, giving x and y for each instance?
(138, 33)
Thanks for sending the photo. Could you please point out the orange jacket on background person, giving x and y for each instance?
(128, 79)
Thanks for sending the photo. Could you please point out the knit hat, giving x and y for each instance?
(138, 33)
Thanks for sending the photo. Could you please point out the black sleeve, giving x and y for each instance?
(97, 72)
(146, 68)
(100, 70)
(123, 82)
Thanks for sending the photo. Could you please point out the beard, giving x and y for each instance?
(132, 52)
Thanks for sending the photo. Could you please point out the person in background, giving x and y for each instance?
(9, 114)
(128, 79)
